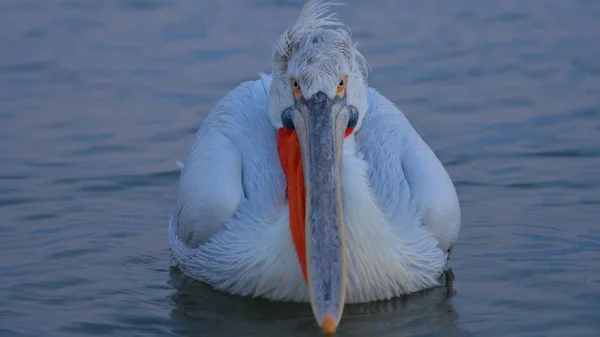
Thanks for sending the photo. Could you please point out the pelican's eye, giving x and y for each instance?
(296, 88)
(341, 89)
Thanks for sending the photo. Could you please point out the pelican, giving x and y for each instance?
(308, 185)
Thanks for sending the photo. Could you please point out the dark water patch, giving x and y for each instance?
(15, 333)
(515, 102)
(58, 125)
(52, 230)
(465, 14)
(591, 202)
(590, 65)
(49, 164)
(89, 137)
(186, 30)
(41, 241)
(39, 217)
(168, 136)
(78, 25)
(141, 260)
(211, 55)
(151, 325)
(6, 230)
(459, 108)
(82, 5)
(7, 190)
(585, 112)
(191, 130)
(109, 187)
(467, 183)
(507, 17)
(63, 253)
(118, 183)
(93, 329)
(143, 5)
(14, 201)
(541, 73)
(61, 76)
(276, 4)
(555, 184)
(20, 271)
(118, 292)
(159, 286)
(6, 115)
(186, 99)
(416, 101)
(539, 238)
(100, 149)
(543, 227)
(120, 235)
(564, 153)
(28, 67)
(143, 72)
(65, 282)
(553, 119)
(459, 160)
(440, 75)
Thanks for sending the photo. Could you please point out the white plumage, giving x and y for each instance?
(231, 226)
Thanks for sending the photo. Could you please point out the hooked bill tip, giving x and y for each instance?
(328, 325)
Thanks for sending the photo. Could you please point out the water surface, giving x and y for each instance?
(100, 98)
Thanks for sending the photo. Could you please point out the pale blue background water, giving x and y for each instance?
(99, 98)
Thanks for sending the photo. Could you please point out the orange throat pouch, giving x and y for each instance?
(288, 147)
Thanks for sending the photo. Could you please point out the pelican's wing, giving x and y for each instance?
(210, 185)
(405, 174)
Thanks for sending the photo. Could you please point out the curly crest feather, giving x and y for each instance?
(317, 38)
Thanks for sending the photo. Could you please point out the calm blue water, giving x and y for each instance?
(98, 99)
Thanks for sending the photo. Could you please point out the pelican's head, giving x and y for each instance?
(318, 98)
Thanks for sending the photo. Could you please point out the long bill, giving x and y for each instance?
(318, 233)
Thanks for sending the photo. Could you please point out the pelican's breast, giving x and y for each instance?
(384, 260)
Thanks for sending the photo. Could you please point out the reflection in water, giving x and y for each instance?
(201, 311)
